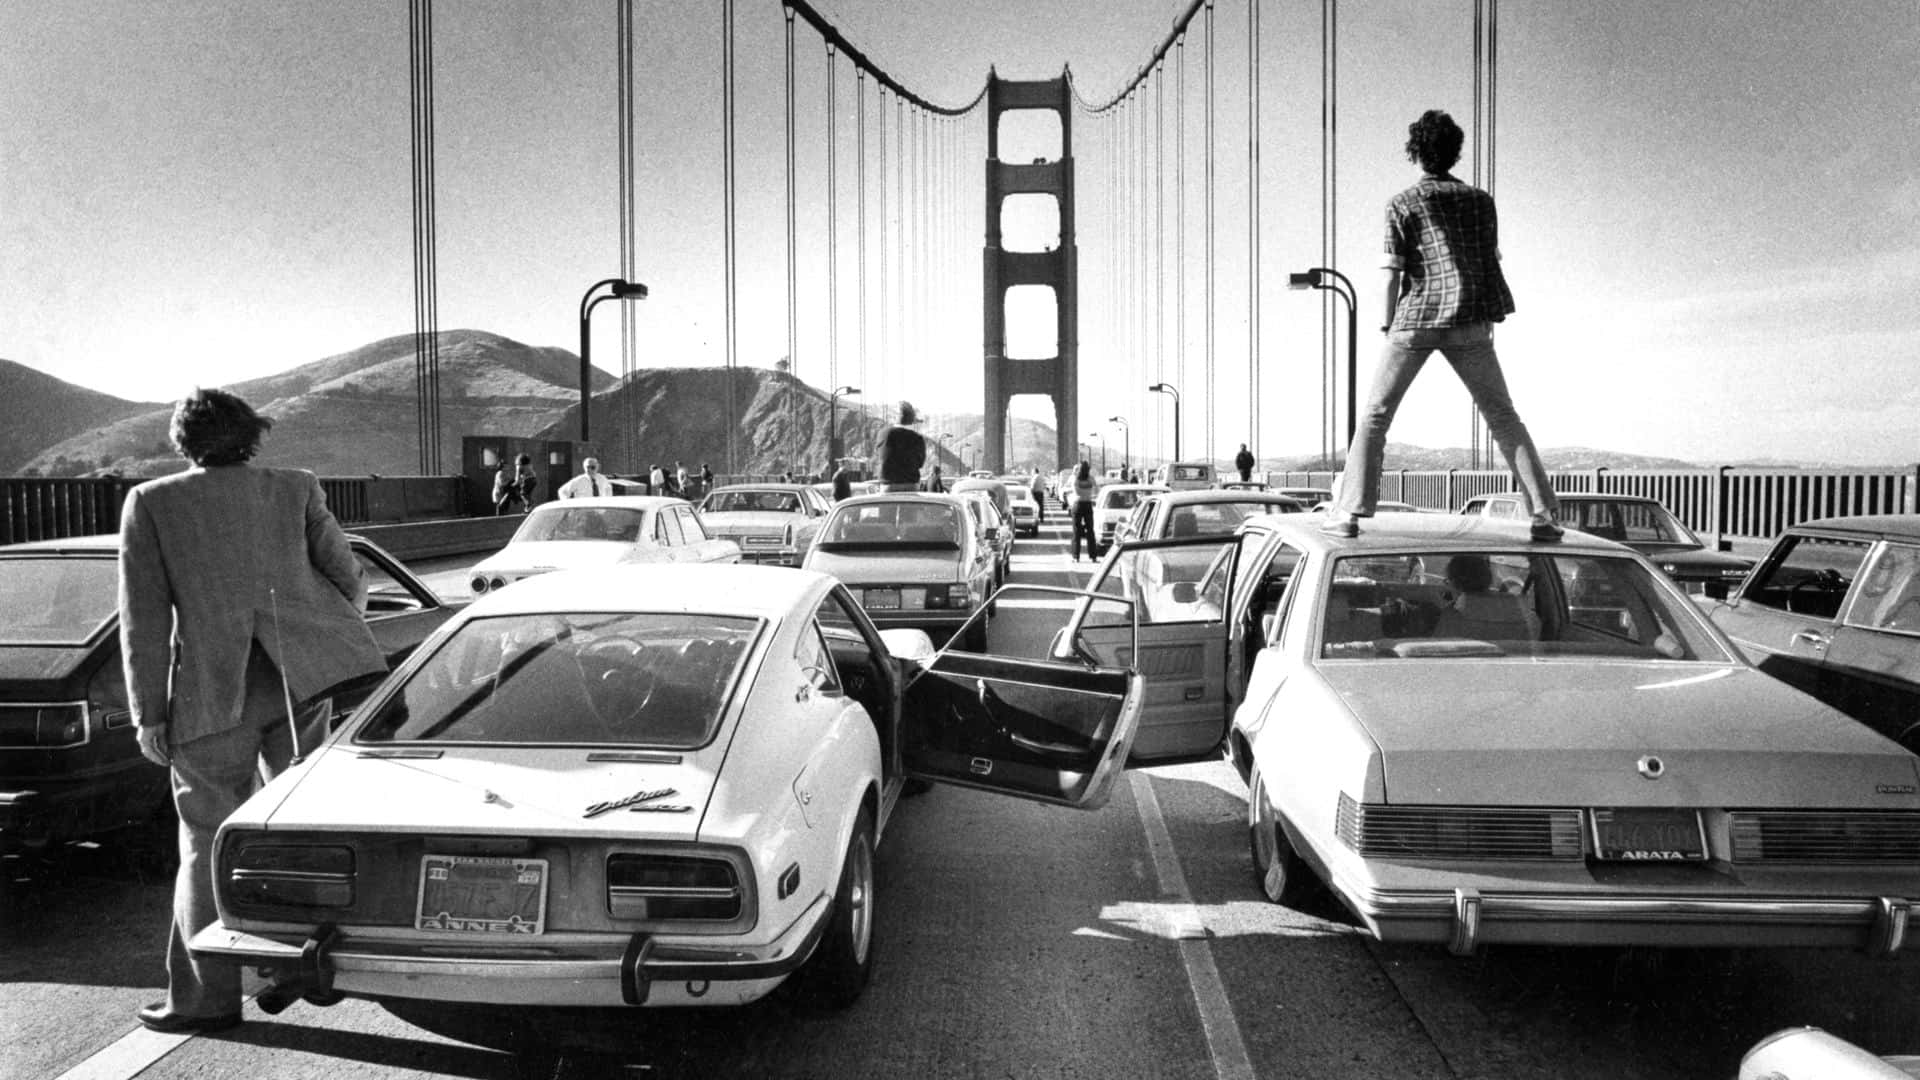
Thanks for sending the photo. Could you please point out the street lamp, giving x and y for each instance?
(617, 289)
(1322, 278)
(833, 425)
(1126, 447)
(1167, 388)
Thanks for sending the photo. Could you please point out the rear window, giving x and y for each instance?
(924, 526)
(57, 600)
(639, 679)
(742, 502)
(582, 523)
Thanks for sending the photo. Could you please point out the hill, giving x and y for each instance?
(38, 410)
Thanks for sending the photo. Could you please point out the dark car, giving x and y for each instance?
(1834, 609)
(69, 764)
(1642, 524)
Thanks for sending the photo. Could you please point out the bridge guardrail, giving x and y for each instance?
(1722, 503)
(52, 508)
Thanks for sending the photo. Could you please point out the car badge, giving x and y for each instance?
(1893, 789)
(640, 801)
(1652, 767)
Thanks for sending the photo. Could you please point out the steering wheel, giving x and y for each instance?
(1827, 580)
(625, 681)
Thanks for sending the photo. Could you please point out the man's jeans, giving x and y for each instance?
(1470, 350)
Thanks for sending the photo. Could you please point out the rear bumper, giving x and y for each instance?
(598, 970)
(62, 810)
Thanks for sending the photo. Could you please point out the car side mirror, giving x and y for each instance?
(912, 646)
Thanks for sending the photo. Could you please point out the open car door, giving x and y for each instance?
(1051, 730)
(1179, 592)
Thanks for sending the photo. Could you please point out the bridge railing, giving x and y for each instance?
(52, 508)
(1728, 502)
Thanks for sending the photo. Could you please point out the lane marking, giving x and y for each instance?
(1224, 1045)
(132, 1054)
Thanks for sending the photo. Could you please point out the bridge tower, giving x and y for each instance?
(1056, 376)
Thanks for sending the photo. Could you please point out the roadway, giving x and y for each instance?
(1014, 941)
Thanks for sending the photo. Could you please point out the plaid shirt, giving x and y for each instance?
(1445, 236)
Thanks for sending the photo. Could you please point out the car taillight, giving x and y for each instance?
(478, 585)
(277, 874)
(43, 727)
(950, 596)
(678, 887)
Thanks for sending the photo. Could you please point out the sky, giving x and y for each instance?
(1710, 213)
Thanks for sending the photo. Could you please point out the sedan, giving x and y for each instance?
(69, 765)
(772, 523)
(912, 560)
(643, 786)
(601, 532)
(1642, 524)
(1026, 510)
(1834, 609)
(1471, 738)
(1113, 503)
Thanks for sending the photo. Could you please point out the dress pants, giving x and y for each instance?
(212, 776)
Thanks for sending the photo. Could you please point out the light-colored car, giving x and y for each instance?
(1640, 523)
(992, 487)
(1383, 506)
(1834, 609)
(640, 786)
(772, 523)
(1472, 738)
(1306, 496)
(1113, 503)
(996, 531)
(610, 531)
(1186, 475)
(1026, 510)
(1177, 514)
(913, 560)
(1246, 485)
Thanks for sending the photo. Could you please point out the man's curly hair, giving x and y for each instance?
(1434, 141)
(213, 427)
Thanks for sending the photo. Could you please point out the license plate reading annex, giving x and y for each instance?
(1644, 835)
(482, 894)
(882, 599)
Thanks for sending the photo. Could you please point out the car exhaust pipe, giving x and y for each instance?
(312, 983)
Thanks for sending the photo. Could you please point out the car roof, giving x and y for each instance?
(1428, 532)
(1225, 495)
(1132, 487)
(629, 502)
(744, 589)
(941, 497)
(1592, 496)
(772, 485)
(1900, 526)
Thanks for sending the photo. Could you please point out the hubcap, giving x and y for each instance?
(860, 899)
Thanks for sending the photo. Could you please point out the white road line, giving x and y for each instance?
(130, 1055)
(1229, 1052)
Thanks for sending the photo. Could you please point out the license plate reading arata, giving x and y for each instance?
(883, 599)
(1643, 835)
(482, 894)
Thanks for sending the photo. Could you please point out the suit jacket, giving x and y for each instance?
(213, 560)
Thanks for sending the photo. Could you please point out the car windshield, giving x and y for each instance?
(922, 526)
(582, 523)
(1461, 604)
(741, 502)
(1192, 472)
(1214, 518)
(625, 678)
(1629, 522)
(57, 600)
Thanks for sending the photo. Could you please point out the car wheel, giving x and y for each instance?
(1284, 877)
(840, 967)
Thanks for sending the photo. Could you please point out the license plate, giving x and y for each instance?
(482, 894)
(882, 599)
(1638, 835)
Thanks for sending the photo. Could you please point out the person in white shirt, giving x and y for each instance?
(589, 482)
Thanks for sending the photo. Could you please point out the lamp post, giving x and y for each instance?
(1167, 388)
(1126, 448)
(617, 289)
(1321, 277)
(833, 426)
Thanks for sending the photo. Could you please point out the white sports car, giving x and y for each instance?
(611, 530)
(648, 785)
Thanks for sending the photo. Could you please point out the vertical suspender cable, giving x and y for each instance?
(833, 238)
(415, 131)
(433, 262)
(793, 278)
(1159, 246)
(874, 389)
(860, 209)
(1212, 446)
(1493, 126)
(730, 227)
(1329, 38)
(1253, 226)
(1479, 149)
(1180, 234)
(426, 270)
(628, 400)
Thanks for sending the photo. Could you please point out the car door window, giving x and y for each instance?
(1888, 595)
(1807, 575)
(385, 592)
(691, 530)
(816, 663)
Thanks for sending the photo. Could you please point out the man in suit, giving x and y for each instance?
(240, 608)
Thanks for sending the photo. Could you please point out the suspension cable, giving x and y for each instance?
(860, 212)
(1329, 204)
(629, 360)
(833, 236)
(1180, 236)
(1253, 226)
(1158, 349)
(793, 294)
(730, 229)
(1211, 445)
(426, 258)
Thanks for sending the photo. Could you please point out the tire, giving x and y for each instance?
(1283, 876)
(840, 967)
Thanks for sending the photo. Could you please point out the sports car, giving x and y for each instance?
(1472, 738)
(69, 765)
(772, 523)
(611, 530)
(645, 785)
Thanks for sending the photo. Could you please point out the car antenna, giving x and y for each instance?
(286, 690)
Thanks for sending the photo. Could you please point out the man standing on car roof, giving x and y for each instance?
(903, 452)
(240, 609)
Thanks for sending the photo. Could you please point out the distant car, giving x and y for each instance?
(912, 560)
(1306, 496)
(1640, 523)
(772, 523)
(609, 531)
(1472, 738)
(1246, 485)
(69, 765)
(1185, 475)
(992, 487)
(650, 786)
(1026, 511)
(1834, 609)
(1195, 512)
(1384, 506)
(995, 529)
(1111, 505)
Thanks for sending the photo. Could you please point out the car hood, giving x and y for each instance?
(486, 790)
(905, 567)
(566, 555)
(1562, 733)
(1692, 558)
